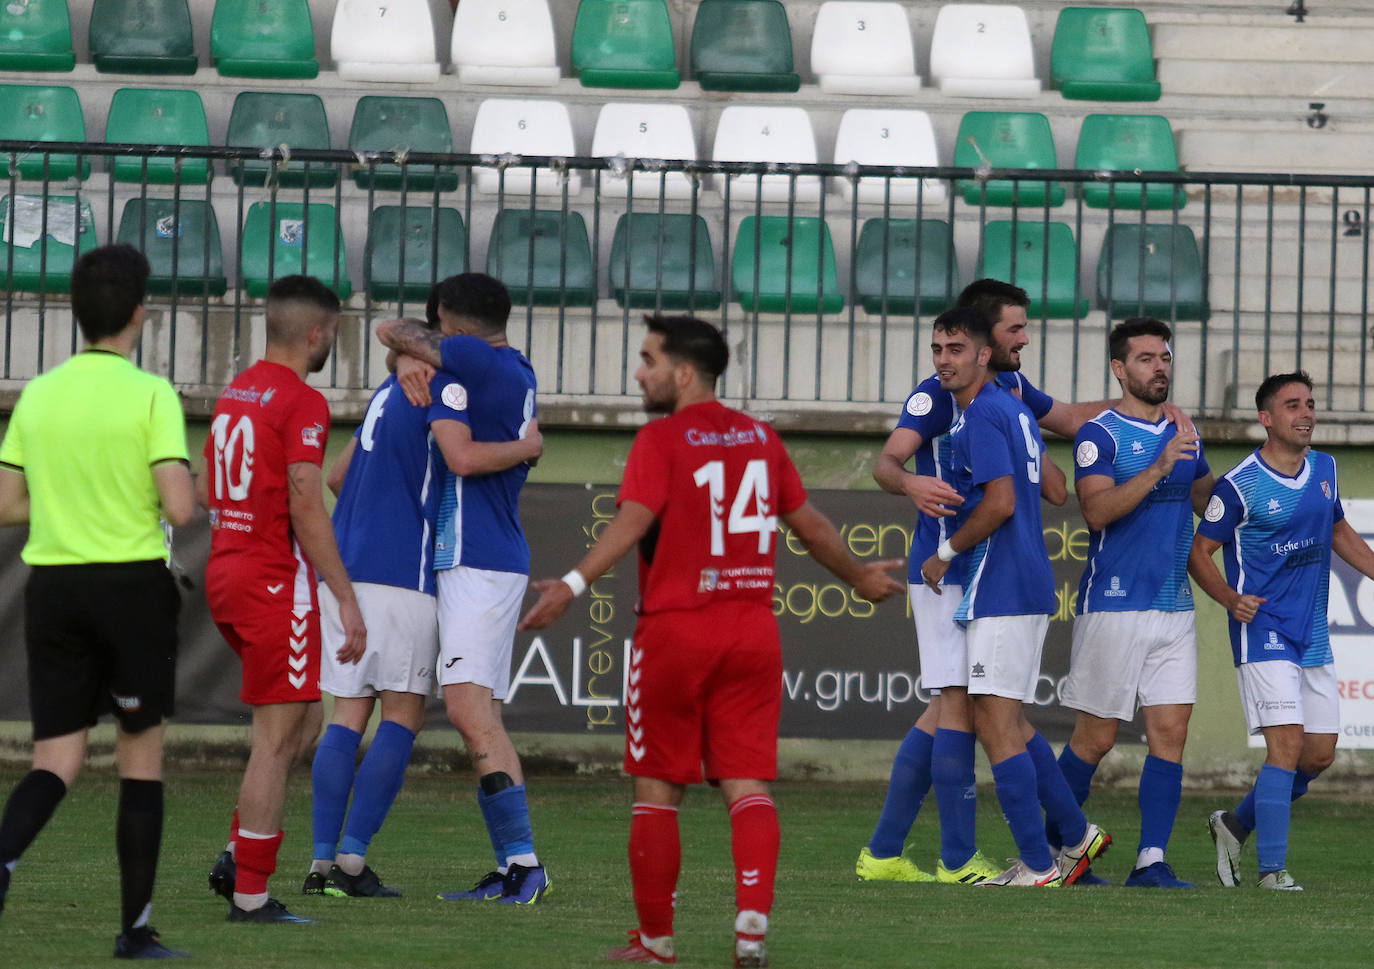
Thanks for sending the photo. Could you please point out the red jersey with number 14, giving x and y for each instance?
(716, 480)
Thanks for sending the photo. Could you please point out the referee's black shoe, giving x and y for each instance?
(222, 876)
(271, 911)
(144, 943)
(365, 884)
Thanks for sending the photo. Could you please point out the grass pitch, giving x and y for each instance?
(62, 909)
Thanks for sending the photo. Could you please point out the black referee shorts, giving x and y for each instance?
(101, 638)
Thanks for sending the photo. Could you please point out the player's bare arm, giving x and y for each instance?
(201, 481)
(14, 496)
(1104, 501)
(998, 504)
(466, 457)
(312, 529)
(1347, 543)
(929, 494)
(414, 376)
(176, 491)
(412, 338)
(629, 525)
(1203, 568)
(818, 533)
(340, 469)
(1066, 419)
(1202, 490)
(1054, 486)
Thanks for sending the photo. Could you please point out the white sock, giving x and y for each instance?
(351, 864)
(1148, 856)
(661, 944)
(528, 859)
(320, 866)
(250, 903)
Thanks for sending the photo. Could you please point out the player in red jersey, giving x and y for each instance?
(702, 494)
(270, 534)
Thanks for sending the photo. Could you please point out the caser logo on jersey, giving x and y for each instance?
(455, 397)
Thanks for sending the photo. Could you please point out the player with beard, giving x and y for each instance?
(1139, 479)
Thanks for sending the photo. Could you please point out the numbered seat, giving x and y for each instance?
(1151, 270)
(794, 261)
(983, 51)
(36, 35)
(282, 239)
(434, 249)
(642, 129)
(1006, 139)
(863, 48)
(181, 241)
(157, 116)
(543, 257)
(888, 136)
(268, 119)
(507, 42)
(624, 43)
(142, 37)
(505, 127)
(1041, 258)
(906, 266)
(383, 123)
(42, 236)
(767, 134)
(663, 262)
(743, 45)
(1102, 54)
(392, 41)
(40, 113)
(263, 38)
(1129, 142)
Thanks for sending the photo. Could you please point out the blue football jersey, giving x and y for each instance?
(479, 515)
(1139, 561)
(1275, 533)
(1008, 573)
(384, 518)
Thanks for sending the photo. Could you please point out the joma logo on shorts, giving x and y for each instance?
(129, 704)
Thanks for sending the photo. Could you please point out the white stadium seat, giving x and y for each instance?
(388, 41)
(642, 129)
(983, 51)
(863, 48)
(888, 136)
(506, 42)
(767, 134)
(512, 127)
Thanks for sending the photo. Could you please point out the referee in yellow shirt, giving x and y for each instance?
(95, 459)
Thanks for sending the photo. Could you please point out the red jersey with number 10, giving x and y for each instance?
(716, 480)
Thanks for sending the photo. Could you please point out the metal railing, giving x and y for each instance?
(1283, 259)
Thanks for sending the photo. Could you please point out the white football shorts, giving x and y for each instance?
(1278, 691)
(940, 641)
(1121, 657)
(1004, 656)
(402, 642)
(478, 611)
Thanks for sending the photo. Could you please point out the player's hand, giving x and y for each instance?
(414, 377)
(875, 583)
(554, 599)
(931, 496)
(932, 571)
(355, 633)
(1245, 608)
(1182, 446)
(535, 440)
(1175, 416)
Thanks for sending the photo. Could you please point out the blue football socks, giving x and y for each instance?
(906, 790)
(1016, 783)
(380, 777)
(1245, 810)
(1161, 789)
(509, 824)
(331, 777)
(1078, 773)
(1273, 809)
(1061, 807)
(956, 794)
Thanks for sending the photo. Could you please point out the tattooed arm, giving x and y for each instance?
(412, 338)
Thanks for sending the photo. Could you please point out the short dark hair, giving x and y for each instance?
(477, 297)
(1118, 342)
(990, 295)
(694, 341)
(108, 284)
(1265, 395)
(296, 291)
(965, 319)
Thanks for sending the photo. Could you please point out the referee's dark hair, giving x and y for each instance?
(692, 340)
(476, 297)
(1274, 382)
(990, 295)
(108, 284)
(1118, 341)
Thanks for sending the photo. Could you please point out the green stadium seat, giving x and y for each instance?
(1172, 286)
(1045, 268)
(743, 45)
(43, 261)
(36, 35)
(921, 272)
(624, 43)
(433, 250)
(154, 116)
(1129, 142)
(1007, 139)
(1102, 54)
(142, 37)
(37, 113)
(391, 124)
(268, 119)
(263, 38)
(158, 226)
(561, 271)
(288, 240)
(814, 281)
(656, 264)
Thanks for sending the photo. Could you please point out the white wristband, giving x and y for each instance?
(945, 553)
(573, 580)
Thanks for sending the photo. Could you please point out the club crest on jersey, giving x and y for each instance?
(455, 397)
(1086, 455)
(708, 581)
(1115, 592)
(1215, 509)
(310, 436)
(1326, 489)
(920, 404)
(1137, 447)
(1274, 506)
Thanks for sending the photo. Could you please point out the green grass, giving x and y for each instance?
(63, 905)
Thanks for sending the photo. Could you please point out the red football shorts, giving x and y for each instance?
(280, 651)
(704, 691)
